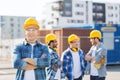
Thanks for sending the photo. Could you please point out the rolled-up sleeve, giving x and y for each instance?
(43, 62)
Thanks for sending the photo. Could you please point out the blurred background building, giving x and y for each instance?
(66, 13)
(11, 26)
(11, 32)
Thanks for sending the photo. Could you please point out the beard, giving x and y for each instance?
(54, 46)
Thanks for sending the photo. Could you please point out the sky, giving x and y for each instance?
(30, 7)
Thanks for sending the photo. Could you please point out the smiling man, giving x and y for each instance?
(97, 56)
(31, 56)
(73, 59)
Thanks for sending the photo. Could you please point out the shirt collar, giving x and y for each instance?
(26, 43)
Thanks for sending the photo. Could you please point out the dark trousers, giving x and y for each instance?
(96, 78)
(80, 78)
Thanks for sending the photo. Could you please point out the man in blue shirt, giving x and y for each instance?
(97, 56)
(31, 57)
(73, 61)
(51, 41)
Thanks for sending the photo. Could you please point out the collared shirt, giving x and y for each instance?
(55, 60)
(23, 50)
(67, 63)
(100, 53)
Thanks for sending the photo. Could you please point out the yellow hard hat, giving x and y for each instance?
(31, 22)
(73, 37)
(50, 37)
(95, 33)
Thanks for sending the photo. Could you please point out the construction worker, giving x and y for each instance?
(53, 71)
(97, 57)
(73, 59)
(31, 57)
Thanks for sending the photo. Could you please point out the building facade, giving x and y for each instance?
(76, 13)
(12, 27)
(112, 13)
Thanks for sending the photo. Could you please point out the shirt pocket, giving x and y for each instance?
(26, 54)
(38, 54)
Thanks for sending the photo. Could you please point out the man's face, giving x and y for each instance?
(31, 33)
(54, 44)
(74, 44)
(93, 41)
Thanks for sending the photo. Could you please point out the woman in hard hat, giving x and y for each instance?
(54, 68)
(97, 57)
(73, 61)
(31, 56)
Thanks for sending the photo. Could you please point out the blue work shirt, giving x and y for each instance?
(67, 63)
(22, 51)
(55, 60)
